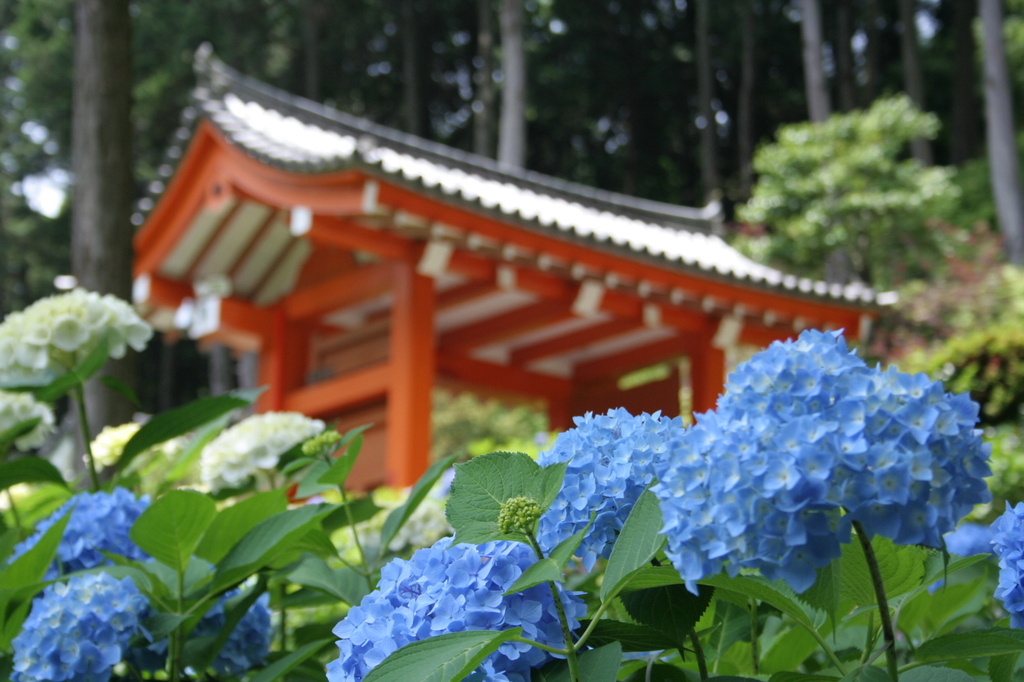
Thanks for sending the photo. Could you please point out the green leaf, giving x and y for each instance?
(731, 625)
(549, 568)
(867, 673)
(662, 672)
(902, 568)
(397, 518)
(801, 677)
(933, 674)
(638, 542)
(31, 566)
(974, 644)
(285, 664)
(597, 665)
(483, 484)
(358, 511)
(441, 659)
(343, 463)
(29, 470)
(671, 610)
(235, 521)
(310, 484)
(776, 594)
(199, 440)
(824, 594)
(18, 430)
(122, 389)
(342, 583)
(89, 365)
(265, 541)
(652, 576)
(632, 636)
(1000, 668)
(171, 528)
(550, 484)
(201, 657)
(177, 422)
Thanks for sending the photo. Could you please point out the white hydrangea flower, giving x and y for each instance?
(108, 445)
(50, 336)
(18, 407)
(253, 444)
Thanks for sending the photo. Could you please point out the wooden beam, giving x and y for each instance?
(412, 352)
(572, 341)
(508, 380)
(349, 288)
(235, 314)
(464, 293)
(617, 364)
(505, 326)
(347, 235)
(763, 336)
(283, 362)
(338, 394)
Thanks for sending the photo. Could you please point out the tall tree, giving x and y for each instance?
(411, 100)
(844, 55)
(313, 12)
(745, 103)
(512, 135)
(1002, 147)
(483, 78)
(818, 106)
(913, 78)
(964, 115)
(102, 162)
(872, 70)
(705, 81)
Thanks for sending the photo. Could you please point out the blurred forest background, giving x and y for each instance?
(845, 139)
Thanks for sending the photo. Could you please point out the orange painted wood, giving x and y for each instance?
(707, 372)
(763, 336)
(235, 314)
(412, 353)
(572, 341)
(349, 288)
(651, 397)
(338, 394)
(464, 293)
(503, 379)
(166, 292)
(346, 234)
(502, 327)
(283, 361)
(617, 364)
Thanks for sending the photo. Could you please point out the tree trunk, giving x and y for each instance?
(312, 18)
(512, 137)
(101, 229)
(411, 109)
(818, 107)
(913, 79)
(1002, 147)
(745, 104)
(705, 82)
(871, 51)
(964, 116)
(221, 369)
(483, 116)
(844, 55)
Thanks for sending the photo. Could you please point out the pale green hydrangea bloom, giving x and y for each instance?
(108, 445)
(252, 445)
(426, 526)
(49, 337)
(19, 407)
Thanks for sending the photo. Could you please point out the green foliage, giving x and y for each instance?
(843, 189)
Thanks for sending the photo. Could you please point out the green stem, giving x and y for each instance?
(570, 648)
(14, 513)
(869, 644)
(284, 617)
(698, 651)
(355, 533)
(883, 603)
(83, 424)
(755, 664)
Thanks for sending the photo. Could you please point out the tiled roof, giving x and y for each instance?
(299, 135)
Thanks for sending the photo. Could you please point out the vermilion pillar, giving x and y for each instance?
(412, 354)
(283, 361)
(707, 369)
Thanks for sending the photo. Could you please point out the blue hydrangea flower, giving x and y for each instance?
(78, 630)
(1008, 545)
(453, 588)
(246, 647)
(970, 539)
(611, 461)
(99, 523)
(806, 429)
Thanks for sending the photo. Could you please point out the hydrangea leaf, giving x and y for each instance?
(353, 512)
(339, 470)
(801, 677)
(638, 542)
(776, 594)
(179, 421)
(1000, 668)
(659, 672)
(31, 566)
(233, 522)
(310, 484)
(789, 650)
(646, 577)
(632, 636)
(550, 568)
(442, 658)
(29, 470)
(931, 673)
(902, 568)
(974, 644)
(265, 541)
(122, 389)
(201, 654)
(285, 664)
(397, 517)
(185, 461)
(12, 434)
(342, 583)
(597, 665)
(867, 673)
(672, 610)
(825, 592)
(483, 484)
(171, 528)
